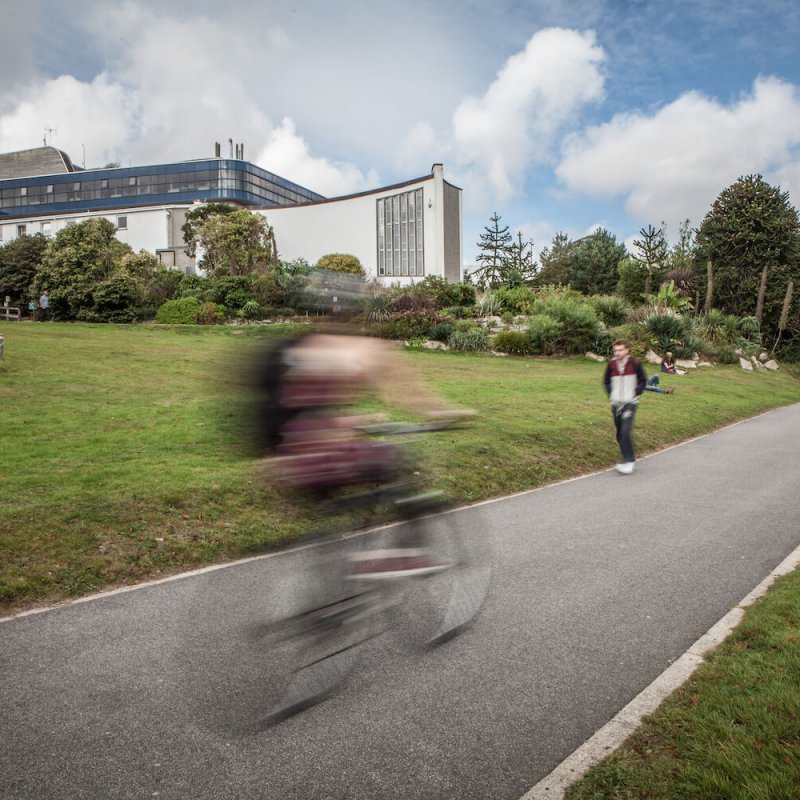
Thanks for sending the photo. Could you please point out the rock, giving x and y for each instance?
(704, 364)
(431, 344)
(739, 352)
(695, 356)
(498, 353)
(763, 358)
(771, 364)
(594, 356)
(685, 363)
(759, 366)
(745, 364)
(652, 358)
(492, 322)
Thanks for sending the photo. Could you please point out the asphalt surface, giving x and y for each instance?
(598, 584)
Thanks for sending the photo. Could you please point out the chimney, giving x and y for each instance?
(217, 149)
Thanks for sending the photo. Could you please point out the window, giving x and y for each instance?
(122, 223)
(47, 228)
(22, 230)
(49, 188)
(400, 239)
(166, 257)
(23, 191)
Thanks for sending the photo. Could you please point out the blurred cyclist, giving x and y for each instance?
(310, 381)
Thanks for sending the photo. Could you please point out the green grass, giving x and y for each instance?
(117, 459)
(732, 732)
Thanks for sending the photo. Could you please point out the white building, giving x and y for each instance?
(399, 233)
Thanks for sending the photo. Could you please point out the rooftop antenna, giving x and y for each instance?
(230, 144)
(48, 132)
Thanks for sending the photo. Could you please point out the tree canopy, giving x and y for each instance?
(238, 243)
(751, 225)
(19, 262)
(595, 263)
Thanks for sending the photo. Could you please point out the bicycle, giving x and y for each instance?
(342, 602)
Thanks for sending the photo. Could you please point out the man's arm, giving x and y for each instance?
(607, 379)
(641, 378)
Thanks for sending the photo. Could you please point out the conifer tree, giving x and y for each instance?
(494, 247)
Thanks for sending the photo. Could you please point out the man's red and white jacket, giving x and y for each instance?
(624, 381)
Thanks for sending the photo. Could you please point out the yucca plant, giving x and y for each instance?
(714, 321)
(666, 328)
(611, 309)
(378, 308)
(490, 305)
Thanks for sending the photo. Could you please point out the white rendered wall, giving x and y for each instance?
(147, 228)
(350, 225)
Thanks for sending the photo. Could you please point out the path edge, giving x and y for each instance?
(617, 730)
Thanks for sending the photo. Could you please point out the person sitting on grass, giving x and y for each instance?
(668, 364)
(652, 386)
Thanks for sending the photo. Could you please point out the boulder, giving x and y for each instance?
(745, 364)
(498, 353)
(652, 358)
(431, 344)
(594, 356)
(739, 352)
(685, 363)
(763, 358)
(771, 364)
(704, 364)
(758, 365)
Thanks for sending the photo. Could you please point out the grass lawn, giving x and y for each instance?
(117, 463)
(732, 732)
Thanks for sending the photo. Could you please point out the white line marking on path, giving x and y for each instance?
(618, 729)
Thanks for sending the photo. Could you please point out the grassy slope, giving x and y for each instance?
(116, 461)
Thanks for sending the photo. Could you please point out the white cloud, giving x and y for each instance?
(496, 137)
(672, 164)
(286, 153)
(172, 86)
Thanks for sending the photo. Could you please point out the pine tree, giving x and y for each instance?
(652, 254)
(520, 265)
(556, 261)
(494, 247)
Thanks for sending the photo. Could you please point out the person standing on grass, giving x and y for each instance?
(625, 381)
(44, 306)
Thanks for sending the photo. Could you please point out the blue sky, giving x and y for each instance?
(557, 115)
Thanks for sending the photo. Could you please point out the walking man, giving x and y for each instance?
(624, 380)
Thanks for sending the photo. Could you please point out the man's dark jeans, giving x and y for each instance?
(623, 421)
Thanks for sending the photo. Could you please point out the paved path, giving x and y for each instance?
(156, 692)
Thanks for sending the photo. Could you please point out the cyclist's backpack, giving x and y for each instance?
(269, 414)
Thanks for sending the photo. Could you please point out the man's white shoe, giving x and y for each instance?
(625, 469)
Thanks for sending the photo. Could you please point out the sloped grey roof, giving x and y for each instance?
(37, 161)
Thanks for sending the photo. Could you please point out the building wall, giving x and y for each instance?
(350, 225)
(309, 231)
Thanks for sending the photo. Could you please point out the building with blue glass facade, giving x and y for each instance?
(407, 230)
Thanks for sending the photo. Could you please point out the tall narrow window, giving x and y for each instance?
(400, 235)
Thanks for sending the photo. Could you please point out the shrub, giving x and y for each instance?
(231, 291)
(210, 314)
(726, 355)
(507, 317)
(544, 333)
(446, 294)
(341, 262)
(470, 340)
(517, 300)
(513, 342)
(411, 299)
(408, 324)
(179, 312)
(250, 310)
(579, 324)
(604, 344)
(441, 331)
(610, 308)
(459, 312)
(117, 299)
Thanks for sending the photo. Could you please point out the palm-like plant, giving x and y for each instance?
(489, 305)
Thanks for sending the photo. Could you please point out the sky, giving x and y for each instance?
(558, 115)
